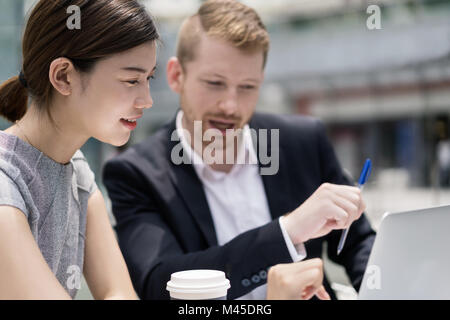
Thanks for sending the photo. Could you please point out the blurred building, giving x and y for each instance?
(382, 93)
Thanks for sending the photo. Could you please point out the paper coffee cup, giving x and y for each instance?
(198, 285)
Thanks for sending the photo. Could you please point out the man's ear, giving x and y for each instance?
(61, 75)
(175, 74)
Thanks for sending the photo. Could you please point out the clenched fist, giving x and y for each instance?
(330, 207)
(296, 281)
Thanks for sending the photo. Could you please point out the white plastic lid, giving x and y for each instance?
(198, 284)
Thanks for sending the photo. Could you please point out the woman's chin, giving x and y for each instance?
(116, 141)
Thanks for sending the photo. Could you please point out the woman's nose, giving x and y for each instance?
(144, 102)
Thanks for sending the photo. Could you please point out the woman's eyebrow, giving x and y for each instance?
(137, 69)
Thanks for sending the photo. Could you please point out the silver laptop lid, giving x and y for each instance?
(410, 258)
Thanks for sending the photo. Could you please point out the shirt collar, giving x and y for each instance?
(204, 170)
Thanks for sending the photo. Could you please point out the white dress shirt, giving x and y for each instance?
(237, 199)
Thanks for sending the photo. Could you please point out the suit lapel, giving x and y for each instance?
(191, 190)
(277, 186)
(278, 192)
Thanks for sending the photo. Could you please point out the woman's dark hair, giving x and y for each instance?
(107, 27)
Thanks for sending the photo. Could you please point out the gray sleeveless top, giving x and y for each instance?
(54, 199)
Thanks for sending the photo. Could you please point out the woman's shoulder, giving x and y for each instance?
(13, 166)
(12, 187)
(7, 155)
(18, 159)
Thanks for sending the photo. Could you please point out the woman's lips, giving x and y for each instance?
(131, 125)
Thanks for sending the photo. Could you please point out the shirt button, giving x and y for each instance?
(246, 282)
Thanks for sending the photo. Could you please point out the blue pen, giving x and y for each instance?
(362, 180)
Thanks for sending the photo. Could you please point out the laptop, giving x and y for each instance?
(410, 258)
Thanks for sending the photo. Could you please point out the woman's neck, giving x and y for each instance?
(58, 143)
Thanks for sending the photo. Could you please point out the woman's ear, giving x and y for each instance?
(61, 75)
(175, 74)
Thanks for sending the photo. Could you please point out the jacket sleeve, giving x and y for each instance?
(360, 238)
(152, 251)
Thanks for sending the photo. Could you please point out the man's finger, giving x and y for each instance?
(343, 190)
(307, 264)
(322, 294)
(349, 207)
(338, 216)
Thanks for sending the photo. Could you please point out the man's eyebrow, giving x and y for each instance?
(253, 80)
(220, 76)
(137, 69)
(214, 75)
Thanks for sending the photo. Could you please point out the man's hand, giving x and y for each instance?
(330, 207)
(296, 281)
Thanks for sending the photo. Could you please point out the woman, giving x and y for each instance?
(92, 82)
(82, 83)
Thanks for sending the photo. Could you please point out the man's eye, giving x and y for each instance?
(133, 82)
(248, 87)
(214, 83)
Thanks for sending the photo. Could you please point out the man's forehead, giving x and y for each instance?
(220, 56)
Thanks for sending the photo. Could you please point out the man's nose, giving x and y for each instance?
(229, 104)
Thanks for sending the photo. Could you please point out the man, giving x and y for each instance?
(182, 202)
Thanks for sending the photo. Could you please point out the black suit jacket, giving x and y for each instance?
(164, 223)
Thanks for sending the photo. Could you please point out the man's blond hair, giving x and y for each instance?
(227, 20)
